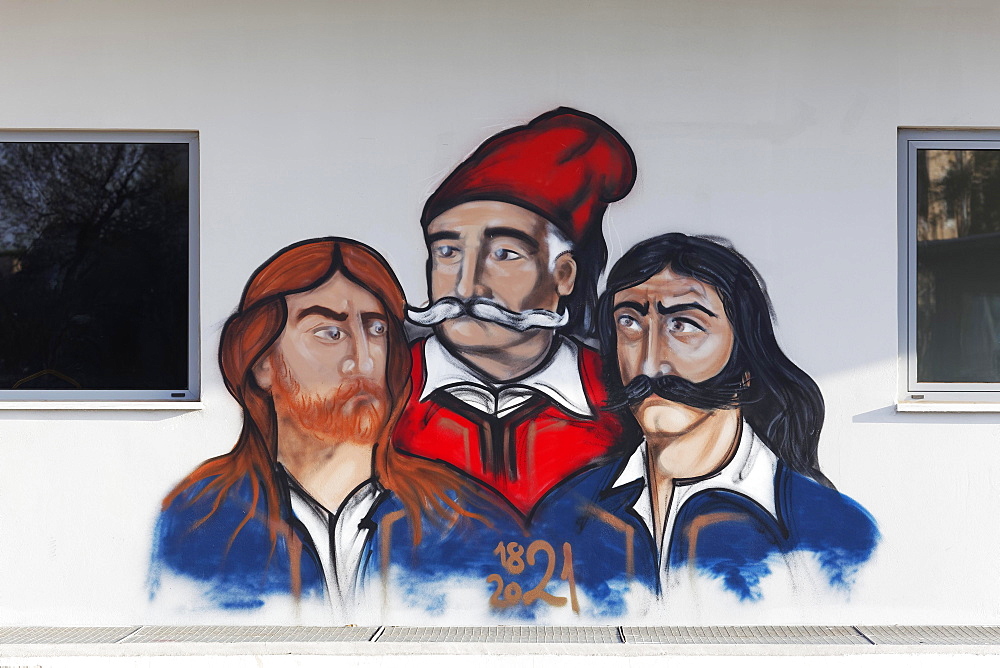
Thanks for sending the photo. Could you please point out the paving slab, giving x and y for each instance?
(744, 635)
(244, 634)
(932, 635)
(502, 634)
(64, 635)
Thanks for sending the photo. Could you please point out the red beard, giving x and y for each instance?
(353, 412)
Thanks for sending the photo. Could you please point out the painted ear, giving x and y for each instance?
(565, 274)
(263, 373)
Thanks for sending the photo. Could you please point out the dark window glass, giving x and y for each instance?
(958, 266)
(93, 266)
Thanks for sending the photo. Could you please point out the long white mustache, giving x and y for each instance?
(486, 310)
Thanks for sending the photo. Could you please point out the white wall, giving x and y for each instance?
(770, 122)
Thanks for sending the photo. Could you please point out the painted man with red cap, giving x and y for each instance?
(515, 250)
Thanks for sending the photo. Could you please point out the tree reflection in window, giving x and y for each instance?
(958, 266)
(93, 265)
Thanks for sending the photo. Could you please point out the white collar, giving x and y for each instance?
(750, 472)
(339, 537)
(559, 378)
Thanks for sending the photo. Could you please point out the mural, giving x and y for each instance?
(316, 357)
(496, 467)
(725, 482)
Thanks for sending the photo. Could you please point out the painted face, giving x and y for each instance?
(671, 325)
(500, 252)
(327, 371)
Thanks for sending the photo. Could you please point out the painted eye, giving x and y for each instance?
(445, 252)
(377, 328)
(328, 334)
(505, 254)
(628, 322)
(683, 326)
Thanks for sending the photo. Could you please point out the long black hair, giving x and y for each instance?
(782, 404)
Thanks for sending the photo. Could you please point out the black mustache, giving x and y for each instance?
(721, 391)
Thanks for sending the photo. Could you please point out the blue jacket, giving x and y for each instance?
(729, 537)
(581, 535)
(722, 534)
(234, 567)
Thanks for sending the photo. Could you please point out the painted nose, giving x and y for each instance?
(656, 362)
(469, 281)
(359, 362)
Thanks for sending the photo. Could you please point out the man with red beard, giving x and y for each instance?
(316, 357)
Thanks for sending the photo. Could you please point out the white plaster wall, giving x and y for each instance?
(770, 122)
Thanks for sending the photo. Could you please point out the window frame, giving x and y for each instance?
(180, 398)
(912, 394)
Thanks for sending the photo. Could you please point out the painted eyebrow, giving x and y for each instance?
(642, 309)
(494, 232)
(440, 236)
(321, 311)
(677, 308)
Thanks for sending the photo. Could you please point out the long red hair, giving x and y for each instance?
(247, 338)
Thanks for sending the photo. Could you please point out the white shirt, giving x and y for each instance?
(341, 556)
(750, 472)
(558, 379)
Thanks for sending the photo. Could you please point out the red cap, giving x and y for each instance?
(565, 165)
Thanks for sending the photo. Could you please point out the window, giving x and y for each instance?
(98, 266)
(949, 219)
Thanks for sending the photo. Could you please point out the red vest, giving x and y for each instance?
(522, 455)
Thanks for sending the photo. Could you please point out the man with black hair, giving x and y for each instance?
(725, 485)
